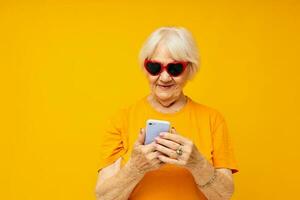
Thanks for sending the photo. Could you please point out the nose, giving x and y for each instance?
(165, 77)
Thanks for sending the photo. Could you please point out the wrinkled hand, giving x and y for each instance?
(144, 157)
(168, 142)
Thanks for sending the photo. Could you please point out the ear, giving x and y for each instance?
(191, 71)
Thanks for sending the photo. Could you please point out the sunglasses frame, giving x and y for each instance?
(165, 67)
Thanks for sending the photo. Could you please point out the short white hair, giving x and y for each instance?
(178, 41)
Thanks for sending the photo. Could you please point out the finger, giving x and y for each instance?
(168, 143)
(165, 159)
(169, 152)
(158, 162)
(174, 137)
(173, 131)
(153, 155)
(149, 147)
(141, 137)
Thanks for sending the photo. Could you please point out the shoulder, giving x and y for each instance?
(205, 111)
(125, 110)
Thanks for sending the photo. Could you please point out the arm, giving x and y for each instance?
(115, 183)
(220, 188)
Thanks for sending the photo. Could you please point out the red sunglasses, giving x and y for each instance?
(174, 69)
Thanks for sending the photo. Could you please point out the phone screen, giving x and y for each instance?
(154, 127)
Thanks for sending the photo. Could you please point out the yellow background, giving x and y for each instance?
(67, 65)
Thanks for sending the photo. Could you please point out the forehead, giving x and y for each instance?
(162, 53)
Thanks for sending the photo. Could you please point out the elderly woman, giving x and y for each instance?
(194, 160)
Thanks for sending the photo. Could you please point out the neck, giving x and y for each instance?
(169, 105)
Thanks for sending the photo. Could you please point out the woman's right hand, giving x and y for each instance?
(144, 158)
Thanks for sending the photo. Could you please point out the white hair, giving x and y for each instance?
(178, 41)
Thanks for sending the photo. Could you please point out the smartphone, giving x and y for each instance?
(154, 127)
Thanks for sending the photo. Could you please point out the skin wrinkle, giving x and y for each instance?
(221, 187)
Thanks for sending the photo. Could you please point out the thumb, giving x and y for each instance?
(141, 137)
(173, 131)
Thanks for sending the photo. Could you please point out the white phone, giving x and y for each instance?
(154, 127)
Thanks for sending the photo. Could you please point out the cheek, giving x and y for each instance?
(180, 82)
(151, 80)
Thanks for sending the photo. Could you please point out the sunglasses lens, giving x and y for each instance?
(153, 68)
(175, 69)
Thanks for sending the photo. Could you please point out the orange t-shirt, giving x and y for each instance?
(203, 125)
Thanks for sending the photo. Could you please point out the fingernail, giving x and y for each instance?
(162, 134)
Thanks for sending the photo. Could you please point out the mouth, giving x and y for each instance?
(165, 86)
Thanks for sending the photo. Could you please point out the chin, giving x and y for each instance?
(164, 95)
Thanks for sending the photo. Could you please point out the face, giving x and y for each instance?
(163, 86)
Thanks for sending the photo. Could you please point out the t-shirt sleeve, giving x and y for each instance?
(222, 153)
(112, 144)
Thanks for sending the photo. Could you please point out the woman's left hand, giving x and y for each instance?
(168, 143)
